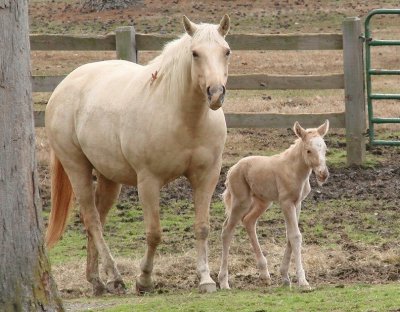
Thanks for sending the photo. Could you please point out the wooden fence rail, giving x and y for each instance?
(126, 43)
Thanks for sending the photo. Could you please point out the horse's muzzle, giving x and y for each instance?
(216, 96)
(322, 175)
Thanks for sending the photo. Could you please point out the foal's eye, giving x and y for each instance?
(228, 53)
(195, 54)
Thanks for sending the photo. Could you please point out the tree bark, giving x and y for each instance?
(26, 283)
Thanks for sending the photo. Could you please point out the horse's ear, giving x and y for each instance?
(298, 130)
(189, 26)
(323, 129)
(224, 25)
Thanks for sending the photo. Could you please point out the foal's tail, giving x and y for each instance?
(61, 200)
(227, 195)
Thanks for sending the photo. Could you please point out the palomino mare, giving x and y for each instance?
(256, 181)
(143, 126)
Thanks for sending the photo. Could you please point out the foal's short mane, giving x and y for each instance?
(173, 65)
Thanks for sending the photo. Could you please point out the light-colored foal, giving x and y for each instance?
(256, 181)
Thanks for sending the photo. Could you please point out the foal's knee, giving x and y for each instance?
(295, 239)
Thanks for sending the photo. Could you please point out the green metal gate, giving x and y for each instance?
(370, 42)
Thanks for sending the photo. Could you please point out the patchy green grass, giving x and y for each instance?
(329, 298)
(337, 157)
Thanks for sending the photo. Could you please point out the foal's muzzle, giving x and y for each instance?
(321, 174)
(215, 96)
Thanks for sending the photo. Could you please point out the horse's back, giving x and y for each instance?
(83, 115)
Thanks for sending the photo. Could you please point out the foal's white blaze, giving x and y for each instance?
(210, 60)
(317, 151)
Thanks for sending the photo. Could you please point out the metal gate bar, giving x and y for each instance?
(372, 71)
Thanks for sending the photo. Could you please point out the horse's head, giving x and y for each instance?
(314, 149)
(210, 59)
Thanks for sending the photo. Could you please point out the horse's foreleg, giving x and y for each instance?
(294, 237)
(149, 195)
(249, 222)
(203, 183)
(106, 194)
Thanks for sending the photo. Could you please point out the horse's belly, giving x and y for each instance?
(114, 169)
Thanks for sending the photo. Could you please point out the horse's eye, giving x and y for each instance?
(195, 54)
(228, 53)
(308, 152)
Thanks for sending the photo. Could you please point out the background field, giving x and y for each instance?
(350, 226)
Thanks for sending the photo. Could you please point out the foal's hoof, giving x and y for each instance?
(265, 280)
(116, 287)
(143, 289)
(305, 288)
(207, 288)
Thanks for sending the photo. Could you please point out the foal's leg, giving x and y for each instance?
(291, 213)
(249, 222)
(149, 195)
(284, 270)
(106, 194)
(240, 201)
(288, 251)
(228, 228)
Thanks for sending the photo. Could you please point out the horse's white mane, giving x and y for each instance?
(173, 65)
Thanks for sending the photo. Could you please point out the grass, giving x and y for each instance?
(343, 298)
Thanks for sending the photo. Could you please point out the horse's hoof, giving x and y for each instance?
(99, 290)
(141, 289)
(286, 283)
(208, 288)
(116, 287)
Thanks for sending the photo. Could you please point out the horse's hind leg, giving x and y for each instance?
(249, 222)
(106, 194)
(79, 171)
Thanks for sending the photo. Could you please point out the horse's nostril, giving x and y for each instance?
(223, 90)
(208, 91)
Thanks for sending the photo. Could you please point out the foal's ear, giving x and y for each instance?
(224, 25)
(323, 129)
(189, 26)
(298, 130)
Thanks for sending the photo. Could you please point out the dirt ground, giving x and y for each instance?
(350, 261)
(377, 185)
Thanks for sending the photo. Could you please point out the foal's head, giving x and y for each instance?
(210, 58)
(314, 149)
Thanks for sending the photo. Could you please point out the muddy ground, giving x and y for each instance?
(349, 261)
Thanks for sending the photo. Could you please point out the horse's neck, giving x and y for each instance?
(294, 159)
(173, 67)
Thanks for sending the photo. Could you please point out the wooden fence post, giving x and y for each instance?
(354, 90)
(125, 43)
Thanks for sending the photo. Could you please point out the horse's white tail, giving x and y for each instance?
(61, 199)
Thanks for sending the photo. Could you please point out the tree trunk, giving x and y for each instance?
(25, 280)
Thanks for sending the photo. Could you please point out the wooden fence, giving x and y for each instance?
(126, 43)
